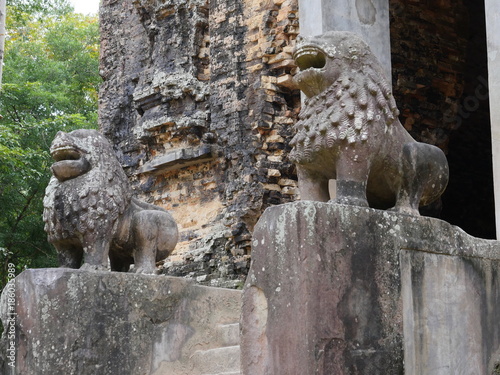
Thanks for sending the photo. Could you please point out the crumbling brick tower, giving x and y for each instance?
(198, 100)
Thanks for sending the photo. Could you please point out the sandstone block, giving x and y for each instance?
(335, 289)
(76, 322)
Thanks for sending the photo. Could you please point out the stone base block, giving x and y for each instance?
(107, 323)
(348, 290)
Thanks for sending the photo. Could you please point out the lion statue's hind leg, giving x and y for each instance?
(312, 186)
(155, 233)
(424, 176)
(69, 253)
(352, 170)
(96, 250)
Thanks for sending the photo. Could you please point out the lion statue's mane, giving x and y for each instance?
(82, 204)
(346, 110)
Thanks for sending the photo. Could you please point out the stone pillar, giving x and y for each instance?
(348, 290)
(311, 17)
(368, 18)
(492, 8)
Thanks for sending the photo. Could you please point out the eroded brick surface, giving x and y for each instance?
(199, 101)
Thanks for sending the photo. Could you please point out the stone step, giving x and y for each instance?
(224, 360)
(226, 373)
(228, 334)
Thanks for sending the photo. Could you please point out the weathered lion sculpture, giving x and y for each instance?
(90, 214)
(349, 130)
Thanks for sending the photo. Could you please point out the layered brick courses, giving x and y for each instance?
(199, 101)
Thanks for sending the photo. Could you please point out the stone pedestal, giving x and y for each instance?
(108, 323)
(347, 290)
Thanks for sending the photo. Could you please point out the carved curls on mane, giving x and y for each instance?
(345, 111)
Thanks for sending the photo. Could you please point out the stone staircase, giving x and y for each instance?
(224, 360)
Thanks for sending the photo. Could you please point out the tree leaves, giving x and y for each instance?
(21, 11)
(50, 83)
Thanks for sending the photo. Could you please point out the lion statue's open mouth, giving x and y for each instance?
(311, 61)
(308, 57)
(65, 153)
(69, 159)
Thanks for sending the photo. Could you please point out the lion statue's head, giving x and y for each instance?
(346, 92)
(88, 184)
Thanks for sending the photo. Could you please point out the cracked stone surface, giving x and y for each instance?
(77, 322)
(336, 289)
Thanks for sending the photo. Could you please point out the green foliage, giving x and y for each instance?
(50, 83)
(21, 11)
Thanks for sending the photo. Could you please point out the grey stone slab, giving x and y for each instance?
(333, 290)
(177, 159)
(76, 322)
(451, 314)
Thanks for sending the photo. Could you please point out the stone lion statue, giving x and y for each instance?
(348, 130)
(90, 214)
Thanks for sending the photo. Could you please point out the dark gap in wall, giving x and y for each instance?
(439, 66)
(469, 199)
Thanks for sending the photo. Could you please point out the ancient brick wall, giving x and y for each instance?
(198, 100)
(428, 42)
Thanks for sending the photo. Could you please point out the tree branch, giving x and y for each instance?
(21, 217)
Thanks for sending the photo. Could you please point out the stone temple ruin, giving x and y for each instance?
(201, 103)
